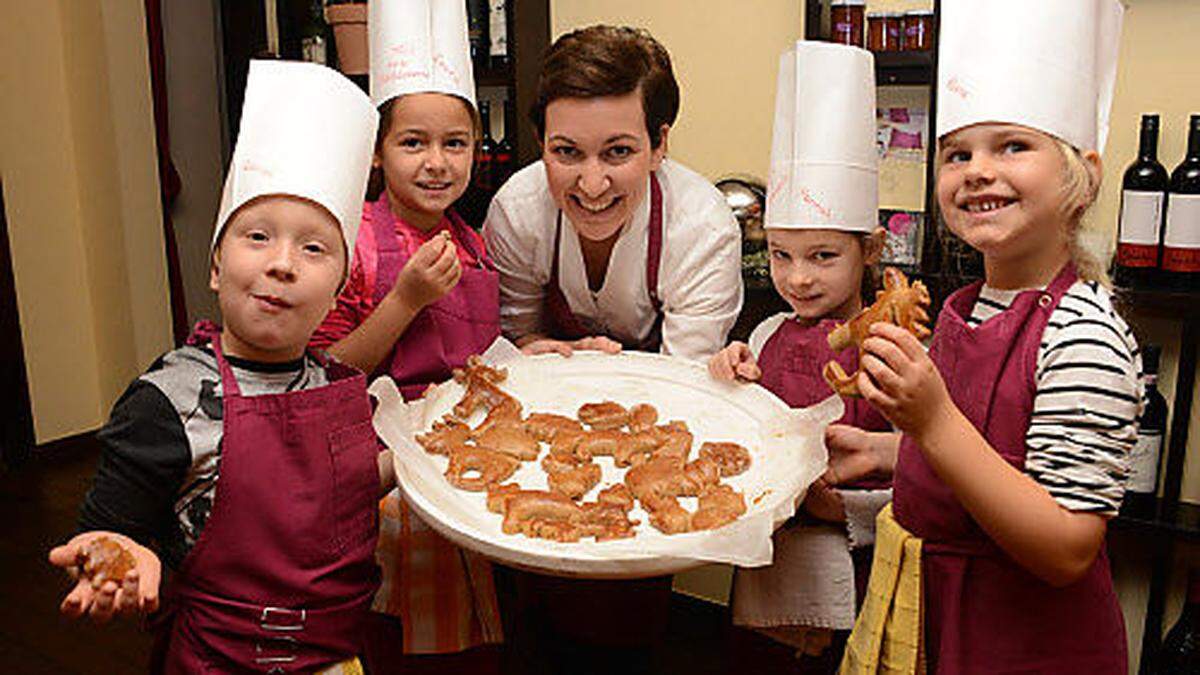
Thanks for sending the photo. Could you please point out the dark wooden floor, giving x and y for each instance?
(40, 500)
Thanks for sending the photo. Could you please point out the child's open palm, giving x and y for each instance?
(137, 593)
(431, 272)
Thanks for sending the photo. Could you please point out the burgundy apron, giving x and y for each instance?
(791, 363)
(443, 334)
(284, 571)
(562, 324)
(984, 613)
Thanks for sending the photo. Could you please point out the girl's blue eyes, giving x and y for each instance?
(1009, 147)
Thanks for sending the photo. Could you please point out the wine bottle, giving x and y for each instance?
(1180, 652)
(498, 33)
(1143, 198)
(1142, 486)
(484, 160)
(1181, 238)
(314, 34)
(505, 160)
(477, 25)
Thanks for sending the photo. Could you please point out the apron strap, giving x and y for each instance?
(654, 249)
(229, 385)
(463, 233)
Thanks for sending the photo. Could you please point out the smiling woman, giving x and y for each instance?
(605, 243)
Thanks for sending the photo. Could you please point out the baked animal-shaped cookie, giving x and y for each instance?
(898, 303)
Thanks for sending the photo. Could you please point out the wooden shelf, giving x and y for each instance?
(494, 77)
(1182, 520)
(907, 67)
(1158, 301)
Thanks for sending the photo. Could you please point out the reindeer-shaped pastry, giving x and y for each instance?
(898, 303)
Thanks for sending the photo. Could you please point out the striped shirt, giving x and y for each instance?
(1089, 396)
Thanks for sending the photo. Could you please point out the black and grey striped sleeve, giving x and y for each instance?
(1089, 395)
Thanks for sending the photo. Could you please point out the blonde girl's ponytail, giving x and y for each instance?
(1080, 190)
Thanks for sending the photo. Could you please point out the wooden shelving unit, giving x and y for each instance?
(243, 34)
(1171, 520)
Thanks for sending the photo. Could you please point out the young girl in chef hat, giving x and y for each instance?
(824, 241)
(422, 297)
(1018, 423)
(228, 454)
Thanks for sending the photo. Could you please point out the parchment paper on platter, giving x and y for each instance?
(786, 448)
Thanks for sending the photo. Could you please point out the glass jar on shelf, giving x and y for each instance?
(846, 21)
(883, 31)
(917, 30)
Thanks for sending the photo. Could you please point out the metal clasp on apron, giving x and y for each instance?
(282, 619)
(1044, 300)
(275, 651)
(281, 648)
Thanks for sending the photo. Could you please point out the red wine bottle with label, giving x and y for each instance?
(1143, 202)
(1181, 238)
(1142, 486)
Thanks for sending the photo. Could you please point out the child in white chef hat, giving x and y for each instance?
(1019, 421)
(824, 242)
(242, 460)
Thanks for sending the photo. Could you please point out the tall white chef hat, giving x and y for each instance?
(1049, 65)
(306, 131)
(419, 46)
(824, 166)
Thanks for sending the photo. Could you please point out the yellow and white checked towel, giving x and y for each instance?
(348, 667)
(887, 635)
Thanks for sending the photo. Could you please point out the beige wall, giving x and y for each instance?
(81, 193)
(725, 56)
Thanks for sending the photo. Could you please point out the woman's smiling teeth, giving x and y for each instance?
(595, 206)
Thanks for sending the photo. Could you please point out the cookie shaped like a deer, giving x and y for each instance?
(899, 303)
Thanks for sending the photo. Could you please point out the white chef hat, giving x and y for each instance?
(306, 131)
(1046, 64)
(419, 46)
(824, 164)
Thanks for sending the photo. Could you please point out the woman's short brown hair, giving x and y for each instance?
(609, 61)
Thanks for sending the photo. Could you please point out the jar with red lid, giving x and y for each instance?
(883, 31)
(846, 21)
(917, 34)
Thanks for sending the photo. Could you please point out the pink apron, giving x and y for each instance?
(418, 562)
(791, 363)
(983, 612)
(441, 337)
(284, 570)
(562, 324)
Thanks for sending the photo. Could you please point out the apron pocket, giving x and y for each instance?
(353, 453)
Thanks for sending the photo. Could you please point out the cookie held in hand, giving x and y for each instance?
(103, 559)
(898, 303)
